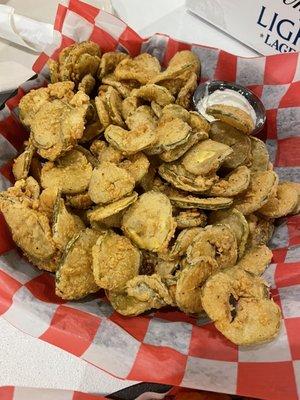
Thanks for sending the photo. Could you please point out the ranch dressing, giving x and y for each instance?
(226, 97)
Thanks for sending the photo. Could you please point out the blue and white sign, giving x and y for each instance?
(267, 26)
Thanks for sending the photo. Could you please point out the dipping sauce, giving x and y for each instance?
(227, 97)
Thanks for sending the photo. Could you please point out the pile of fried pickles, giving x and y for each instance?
(123, 186)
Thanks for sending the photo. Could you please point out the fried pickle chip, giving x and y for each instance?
(167, 269)
(186, 92)
(182, 242)
(25, 190)
(233, 116)
(159, 185)
(65, 53)
(170, 135)
(49, 265)
(182, 65)
(115, 261)
(114, 106)
(260, 230)
(156, 108)
(109, 183)
(236, 222)
(173, 79)
(31, 187)
(81, 99)
(149, 222)
(147, 182)
(142, 117)
(102, 90)
(235, 183)
(183, 57)
(137, 166)
(47, 200)
(261, 188)
(190, 281)
(263, 320)
(296, 186)
(152, 92)
(150, 289)
(106, 153)
(174, 111)
(56, 127)
(91, 114)
(87, 84)
(36, 98)
(190, 218)
(100, 212)
(109, 62)
(282, 203)
(199, 123)
(237, 140)
(141, 68)
(129, 105)
(113, 221)
(181, 179)
(74, 278)
(127, 305)
(256, 260)
(53, 70)
(22, 163)
(256, 318)
(130, 142)
(78, 60)
(70, 173)
(97, 147)
(216, 241)
(86, 66)
(205, 157)
(81, 201)
(123, 90)
(182, 200)
(102, 111)
(30, 228)
(175, 153)
(259, 155)
(64, 224)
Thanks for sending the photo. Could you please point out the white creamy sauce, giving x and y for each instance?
(226, 97)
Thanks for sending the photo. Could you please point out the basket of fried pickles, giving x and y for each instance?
(124, 186)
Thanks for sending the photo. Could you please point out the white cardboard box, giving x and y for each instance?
(267, 26)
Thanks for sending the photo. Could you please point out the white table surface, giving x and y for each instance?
(25, 361)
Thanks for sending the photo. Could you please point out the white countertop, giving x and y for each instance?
(25, 361)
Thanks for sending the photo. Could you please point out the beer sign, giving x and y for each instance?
(267, 26)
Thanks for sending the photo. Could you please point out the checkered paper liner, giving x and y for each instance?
(135, 392)
(167, 346)
(141, 391)
(23, 393)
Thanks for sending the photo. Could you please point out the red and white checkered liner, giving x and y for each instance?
(136, 392)
(23, 393)
(166, 347)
